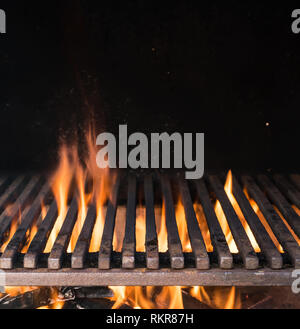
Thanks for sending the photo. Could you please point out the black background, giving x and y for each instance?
(222, 68)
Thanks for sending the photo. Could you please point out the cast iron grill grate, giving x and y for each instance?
(25, 195)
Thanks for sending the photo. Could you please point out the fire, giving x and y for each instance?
(33, 230)
(61, 184)
(148, 297)
(171, 297)
(225, 227)
(73, 170)
(15, 291)
(31, 233)
(140, 228)
(55, 303)
(161, 227)
(182, 227)
(220, 297)
(203, 226)
(119, 232)
(13, 227)
(73, 176)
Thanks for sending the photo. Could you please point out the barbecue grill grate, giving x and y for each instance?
(174, 267)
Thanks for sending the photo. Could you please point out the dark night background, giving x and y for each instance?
(225, 69)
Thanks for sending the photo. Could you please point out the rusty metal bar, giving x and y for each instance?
(271, 253)
(174, 244)
(11, 192)
(240, 237)
(143, 277)
(279, 200)
(129, 242)
(108, 230)
(19, 238)
(83, 242)
(61, 243)
(281, 232)
(39, 242)
(195, 235)
(3, 183)
(7, 217)
(151, 234)
(295, 178)
(288, 189)
(216, 234)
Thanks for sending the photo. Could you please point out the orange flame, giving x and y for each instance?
(218, 297)
(148, 297)
(140, 228)
(203, 226)
(13, 227)
(72, 169)
(182, 227)
(55, 303)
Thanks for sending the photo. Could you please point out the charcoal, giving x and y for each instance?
(93, 292)
(29, 300)
(66, 293)
(89, 304)
(190, 302)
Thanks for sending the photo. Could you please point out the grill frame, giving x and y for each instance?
(219, 268)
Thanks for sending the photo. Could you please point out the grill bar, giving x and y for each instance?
(108, 230)
(151, 235)
(174, 244)
(39, 242)
(128, 255)
(173, 267)
(197, 243)
(8, 216)
(11, 191)
(279, 229)
(83, 243)
(295, 178)
(272, 255)
(19, 238)
(288, 189)
(61, 243)
(216, 234)
(161, 277)
(279, 200)
(240, 237)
